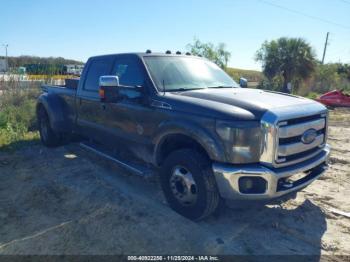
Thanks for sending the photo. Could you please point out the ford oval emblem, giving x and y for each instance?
(309, 136)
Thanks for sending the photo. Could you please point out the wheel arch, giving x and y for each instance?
(54, 107)
(174, 136)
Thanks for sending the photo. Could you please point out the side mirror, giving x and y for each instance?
(108, 91)
(243, 82)
(111, 91)
(109, 81)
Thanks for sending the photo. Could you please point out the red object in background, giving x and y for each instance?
(335, 99)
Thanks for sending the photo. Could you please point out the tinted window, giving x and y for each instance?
(97, 68)
(129, 72)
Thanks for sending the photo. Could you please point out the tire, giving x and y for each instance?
(189, 184)
(47, 136)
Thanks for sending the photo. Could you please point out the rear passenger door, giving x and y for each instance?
(91, 115)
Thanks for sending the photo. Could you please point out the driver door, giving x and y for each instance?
(126, 120)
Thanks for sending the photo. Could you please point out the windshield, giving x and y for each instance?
(186, 73)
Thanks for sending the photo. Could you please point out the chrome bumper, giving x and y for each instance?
(227, 177)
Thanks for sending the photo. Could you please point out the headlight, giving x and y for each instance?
(243, 140)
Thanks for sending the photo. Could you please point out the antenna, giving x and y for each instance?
(163, 83)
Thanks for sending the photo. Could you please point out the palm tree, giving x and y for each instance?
(293, 58)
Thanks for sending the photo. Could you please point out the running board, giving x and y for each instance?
(134, 168)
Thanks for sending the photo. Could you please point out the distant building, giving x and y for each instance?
(21, 70)
(3, 65)
(74, 69)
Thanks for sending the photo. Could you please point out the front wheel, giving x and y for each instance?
(189, 185)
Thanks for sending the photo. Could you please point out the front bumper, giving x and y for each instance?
(228, 177)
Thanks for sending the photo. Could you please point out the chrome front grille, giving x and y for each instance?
(290, 148)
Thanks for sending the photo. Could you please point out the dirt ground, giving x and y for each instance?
(67, 201)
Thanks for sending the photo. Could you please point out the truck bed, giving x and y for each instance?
(70, 87)
(55, 89)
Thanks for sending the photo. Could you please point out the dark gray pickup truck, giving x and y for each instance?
(184, 117)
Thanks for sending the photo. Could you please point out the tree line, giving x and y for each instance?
(288, 65)
(42, 65)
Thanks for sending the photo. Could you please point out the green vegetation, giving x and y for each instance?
(325, 78)
(24, 60)
(17, 116)
(220, 56)
(42, 65)
(251, 75)
(217, 54)
(291, 59)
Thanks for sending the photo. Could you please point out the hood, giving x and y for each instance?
(240, 103)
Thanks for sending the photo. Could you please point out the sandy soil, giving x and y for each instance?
(67, 201)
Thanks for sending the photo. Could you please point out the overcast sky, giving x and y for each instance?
(78, 29)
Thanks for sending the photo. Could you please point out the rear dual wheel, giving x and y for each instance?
(47, 135)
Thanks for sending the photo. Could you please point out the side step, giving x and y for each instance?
(132, 167)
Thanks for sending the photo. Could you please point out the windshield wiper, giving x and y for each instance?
(220, 87)
(182, 89)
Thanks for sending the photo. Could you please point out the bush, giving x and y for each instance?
(17, 115)
(273, 84)
(325, 78)
(312, 95)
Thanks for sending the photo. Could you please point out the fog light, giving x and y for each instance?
(246, 183)
(252, 185)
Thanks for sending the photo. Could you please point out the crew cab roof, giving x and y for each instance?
(144, 54)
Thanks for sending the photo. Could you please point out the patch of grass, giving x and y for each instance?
(17, 117)
(312, 95)
(251, 75)
(27, 139)
(51, 77)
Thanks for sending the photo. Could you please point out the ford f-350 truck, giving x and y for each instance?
(183, 116)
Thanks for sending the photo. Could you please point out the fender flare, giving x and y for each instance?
(55, 108)
(208, 142)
